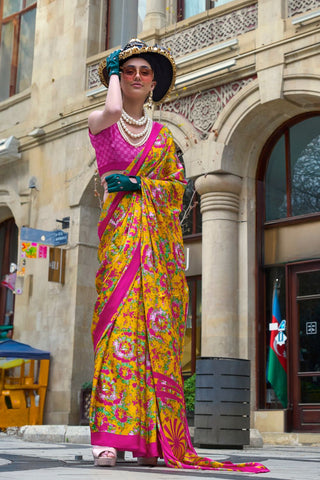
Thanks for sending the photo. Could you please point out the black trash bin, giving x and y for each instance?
(222, 404)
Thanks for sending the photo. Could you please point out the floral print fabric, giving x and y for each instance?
(139, 318)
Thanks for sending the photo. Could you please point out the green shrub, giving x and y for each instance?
(190, 392)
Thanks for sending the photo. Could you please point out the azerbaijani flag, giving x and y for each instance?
(277, 362)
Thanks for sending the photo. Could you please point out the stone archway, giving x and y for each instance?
(228, 201)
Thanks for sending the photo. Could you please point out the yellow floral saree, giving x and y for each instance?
(139, 319)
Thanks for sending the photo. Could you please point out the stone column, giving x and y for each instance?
(155, 14)
(220, 208)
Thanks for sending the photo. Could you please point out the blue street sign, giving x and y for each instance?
(55, 238)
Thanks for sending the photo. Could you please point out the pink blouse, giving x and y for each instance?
(112, 151)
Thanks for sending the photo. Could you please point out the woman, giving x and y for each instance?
(139, 318)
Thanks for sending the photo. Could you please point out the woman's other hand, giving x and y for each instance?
(122, 183)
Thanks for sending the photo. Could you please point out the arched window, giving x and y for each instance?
(190, 217)
(292, 178)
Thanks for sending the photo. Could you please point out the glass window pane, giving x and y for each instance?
(26, 48)
(271, 276)
(187, 350)
(11, 6)
(217, 3)
(186, 216)
(276, 195)
(123, 22)
(192, 7)
(309, 283)
(310, 389)
(305, 166)
(309, 333)
(198, 214)
(142, 8)
(30, 2)
(115, 22)
(5, 59)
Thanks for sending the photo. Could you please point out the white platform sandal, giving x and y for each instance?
(104, 456)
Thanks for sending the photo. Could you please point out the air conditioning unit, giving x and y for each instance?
(9, 150)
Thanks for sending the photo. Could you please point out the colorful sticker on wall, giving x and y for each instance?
(42, 251)
(29, 250)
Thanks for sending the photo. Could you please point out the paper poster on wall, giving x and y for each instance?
(29, 249)
(33, 250)
(42, 251)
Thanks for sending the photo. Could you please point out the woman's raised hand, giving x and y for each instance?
(113, 63)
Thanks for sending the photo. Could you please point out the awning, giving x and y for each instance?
(12, 349)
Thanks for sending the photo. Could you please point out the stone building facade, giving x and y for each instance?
(245, 114)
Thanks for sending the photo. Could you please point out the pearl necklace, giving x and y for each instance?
(126, 134)
(132, 121)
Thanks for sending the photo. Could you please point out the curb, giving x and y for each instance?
(52, 433)
(81, 434)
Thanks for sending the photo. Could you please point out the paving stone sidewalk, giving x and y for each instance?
(21, 459)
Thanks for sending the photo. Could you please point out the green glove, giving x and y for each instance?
(113, 63)
(122, 183)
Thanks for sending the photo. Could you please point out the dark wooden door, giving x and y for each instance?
(304, 345)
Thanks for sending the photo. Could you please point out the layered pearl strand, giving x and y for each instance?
(128, 135)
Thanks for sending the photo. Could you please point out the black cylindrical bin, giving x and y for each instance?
(222, 405)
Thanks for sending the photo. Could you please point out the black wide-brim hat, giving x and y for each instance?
(160, 59)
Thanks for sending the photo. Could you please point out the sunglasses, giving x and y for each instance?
(144, 72)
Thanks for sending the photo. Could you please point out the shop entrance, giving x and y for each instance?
(304, 341)
(288, 260)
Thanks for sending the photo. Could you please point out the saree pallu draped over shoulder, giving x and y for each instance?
(139, 318)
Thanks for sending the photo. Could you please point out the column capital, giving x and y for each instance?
(219, 196)
(218, 182)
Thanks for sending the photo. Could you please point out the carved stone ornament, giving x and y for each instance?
(215, 30)
(295, 7)
(203, 108)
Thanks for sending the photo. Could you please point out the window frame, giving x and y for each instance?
(16, 19)
(262, 169)
(194, 217)
(181, 8)
(193, 288)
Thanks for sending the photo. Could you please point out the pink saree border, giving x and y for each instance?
(117, 296)
(132, 443)
(135, 169)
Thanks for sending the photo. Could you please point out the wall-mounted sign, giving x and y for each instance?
(311, 328)
(55, 238)
(57, 265)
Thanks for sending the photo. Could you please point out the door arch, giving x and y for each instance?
(288, 229)
(8, 255)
